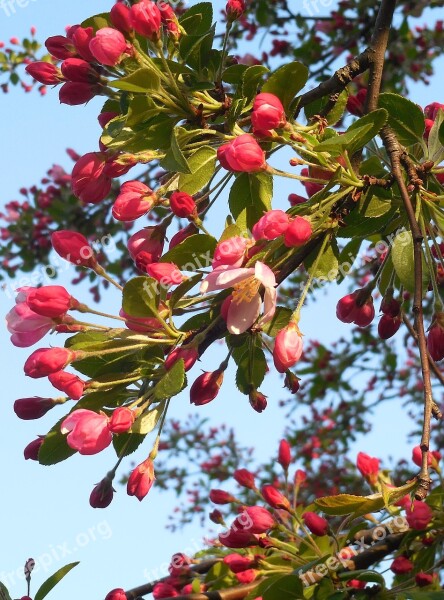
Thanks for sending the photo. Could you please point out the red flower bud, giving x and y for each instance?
(435, 338)
(423, 579)
(292, 382)
(33, 408)
(102, 495)
(287, 348)
(206, 387)
(182, 235)
(310, 187)
(221, 497)
(89, 182)
(243, 154)
(274, 498)
(284, 455)
(300, 477)
(216, 517)
(146, 19)
(316, 524)
(120, 16)
(258, 401)
(273, 224)
(188, 355)
(296, 199)
(418, 516)
(134, 200)
(74, 93)
(150, 241)
(298, 232)
(60, 46)
(50, 301)
(73, 247)
(255, 519)
(183, 205)
(31, 452)
(268, 113)
(245, 478)
(81, 38)
(117, 594)
(390, 307)
(121, 420)
(45, 361)
(349, 311)
(45, 72)
(368, 466)
(401, 565)
(431, 110)
(235, 9)
(141, 480)
(355, 104)
(238, 563)
(237, 538)
(388, 326)
(108, 46)
(165, 273)
(164, 589)
(79, 70)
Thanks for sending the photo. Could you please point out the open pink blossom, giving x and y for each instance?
(26, 326)
(87, 431)
(246, 300)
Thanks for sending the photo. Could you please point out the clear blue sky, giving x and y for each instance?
(45, 510)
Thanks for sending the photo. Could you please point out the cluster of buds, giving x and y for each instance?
(356, 308)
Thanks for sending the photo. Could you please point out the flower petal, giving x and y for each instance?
(242, 316)
(264, 274)
(270, 297)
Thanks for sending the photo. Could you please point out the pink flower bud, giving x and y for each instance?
(74, 93)
(428, 127)
(188, 355)
(298, 232)
(238, 563)
(73, 247)
(165, 273)
(182, 235)
(230, 252)
(120, 16)
(310, 187)
(435, 338)
(245, 478)
(206, 387)
(316, 524)
(179, 565)
(284, 455)
(50, 301)
(243, 154)
(81, 38)
(102, 495)
(273, 224)
(287, 348)
(121, 420)
(254, 519)
(87, 431)
(183, 205)
(107, 46)
(274, 498)
(45, 361)
(247, 576)
(401, 565)
(45, 72)
(369, 467)
(146, 19)
(300, 477)
(268, 113)
(79, 70)
(221, 497)
(418, 516)
(134, 200)
(235, 9)
(237, 538)
(149, 240)
(89, 183)
(33, 408)
(140, 324)
(117, 594)
(141, 480)
(431, 110)
(31, 452)
(164, 590)
(60, 46)
(169, 19)
(388, 326)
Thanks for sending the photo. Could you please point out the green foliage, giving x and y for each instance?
(52, 581)
(250, 197)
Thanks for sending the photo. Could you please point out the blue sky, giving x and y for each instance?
(45, 510)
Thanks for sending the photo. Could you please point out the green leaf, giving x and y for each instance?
(328, 265)
(171, 383)
(286, 82)
(234, 74)
(403, 261)
(178, 296)
(230, 231)
(250, 197)
(142, 80)
(127, 443)
(148, 421)
(52, 581)
(98, 21)
(55, 448)
(251, 370)
(335, 114)
(202, 165)
(251, 79)
(405, 118)
(369, 576)
(141, 108)
(174, 159)
(140, 297)
(288, 587)
(195, 252)
(280, 320)
(197, 19)
(4, 594)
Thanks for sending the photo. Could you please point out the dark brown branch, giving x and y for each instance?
(394, 150)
